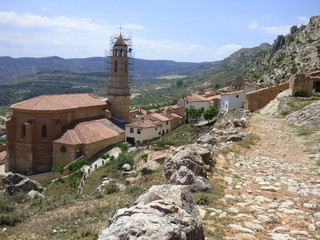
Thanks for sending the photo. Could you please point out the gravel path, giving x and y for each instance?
(273, 189)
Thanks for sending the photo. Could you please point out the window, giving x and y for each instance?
(159, 133)
(115, 52)
(44, 131)
(63, 149)
(167, 122)
(139, 131)
(23, 130)
(115, 66)
(156, 129)
(131, 130)
(167, 130)
(121, 52)
(237, 96)
(202, 109)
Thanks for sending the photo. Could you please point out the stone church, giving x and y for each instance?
(54, 130)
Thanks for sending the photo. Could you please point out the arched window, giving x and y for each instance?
(23, 130)
(115, 52)
(115, 66)
(121, 52)
(44, 131)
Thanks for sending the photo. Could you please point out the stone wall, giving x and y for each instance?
(301, 85)
(260, 98)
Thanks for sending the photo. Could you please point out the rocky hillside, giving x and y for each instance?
(271, 64)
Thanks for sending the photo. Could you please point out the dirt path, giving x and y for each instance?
(273, 189)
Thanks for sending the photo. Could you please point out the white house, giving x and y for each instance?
(196, 101)
(151, 126)
(232, 100)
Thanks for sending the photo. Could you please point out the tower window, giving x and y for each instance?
(121, 52)
(44, 131)
(23, 130)
(115, 66)
(115, 52)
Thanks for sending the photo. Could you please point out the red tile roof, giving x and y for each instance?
(252, 84)
(142, 124)
(196, 98)
(159, 116)
(88, 131)
(59, 102)
(231, 93)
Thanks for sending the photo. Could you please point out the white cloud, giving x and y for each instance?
(253, 25)
(226, 50)
(303, 19)
(44, 9)
(277, 30)
(30, 35)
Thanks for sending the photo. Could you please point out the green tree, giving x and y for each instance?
(123, 147)
(211, 113)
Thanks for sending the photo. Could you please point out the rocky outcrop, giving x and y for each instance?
(232, 119)
(16, 183)
(165, 212)
(279, 104)
(227, 128)
(190, 165)
(308, 116)
(278, 43)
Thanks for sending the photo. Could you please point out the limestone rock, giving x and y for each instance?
(164, 212)
(14, 183)
(190, 165)
(279, 104)
(308, 116)
(126, 167)
(35, 194)
(149, 167)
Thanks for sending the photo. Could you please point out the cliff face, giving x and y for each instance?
(268, 64)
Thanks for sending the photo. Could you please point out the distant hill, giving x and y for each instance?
(268, 64)
(14, 68)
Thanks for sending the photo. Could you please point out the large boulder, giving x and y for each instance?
(308, 116)
(165, 212)
(190, 165)
(278, 105)
(15, 183)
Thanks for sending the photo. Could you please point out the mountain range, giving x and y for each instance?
(266, 64)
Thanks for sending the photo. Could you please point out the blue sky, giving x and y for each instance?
(184, 30)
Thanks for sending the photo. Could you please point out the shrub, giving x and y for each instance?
(58, 169)
(280, 58)
(77, 165)
(73, 178)
(144, 157)
(105, 155)
(46, 183)
(123, 159)
(11, 219)
(111, 188)
(201, 198)
(123, 147)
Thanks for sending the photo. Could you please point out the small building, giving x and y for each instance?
(151, 127)
(196, 101)
(232, 100)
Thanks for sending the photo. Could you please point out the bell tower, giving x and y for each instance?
(118, 90)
